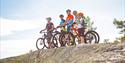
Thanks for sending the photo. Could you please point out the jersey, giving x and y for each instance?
(62, 22)
(49, 26)
(80, 23)
(69, 20)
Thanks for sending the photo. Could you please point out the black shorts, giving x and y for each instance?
(81, 31)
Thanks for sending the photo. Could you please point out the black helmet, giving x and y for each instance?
(68, 10)
(61, 15)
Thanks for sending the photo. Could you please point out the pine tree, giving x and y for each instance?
(120, 24)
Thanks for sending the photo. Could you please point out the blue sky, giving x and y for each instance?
(21, 20)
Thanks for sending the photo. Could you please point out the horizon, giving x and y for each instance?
(22, 20)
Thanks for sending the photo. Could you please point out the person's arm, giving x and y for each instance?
(64, 24)
(70, 23)
(43, 29)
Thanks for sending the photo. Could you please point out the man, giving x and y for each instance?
(80, 22)
(69, 19)
(75, 15)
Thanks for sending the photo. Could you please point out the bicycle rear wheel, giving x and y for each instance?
(50, 43)
(46, 41)
(61, 39)
(97, 36)
(40, 43)
(55, 40)
(90, 38)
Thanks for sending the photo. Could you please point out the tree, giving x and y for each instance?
(89, 23)
(120, 24)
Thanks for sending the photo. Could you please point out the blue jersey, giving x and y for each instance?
(70, 22)
(62, 22)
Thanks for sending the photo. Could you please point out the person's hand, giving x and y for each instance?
(58, 26)
(41, 31)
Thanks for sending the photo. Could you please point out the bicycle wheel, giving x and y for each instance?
(90, 38)
(97, 36)
(61, 41)
(68, 39)
(40, 43)
(56, 39)
(46, 41)
(50, 43)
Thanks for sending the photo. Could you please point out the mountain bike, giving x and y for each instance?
(89, 36)
(64, 38)
(44, 41)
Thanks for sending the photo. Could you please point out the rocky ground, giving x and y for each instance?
(88, 53)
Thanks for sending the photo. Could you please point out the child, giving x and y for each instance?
(62, 23)
(49, 28)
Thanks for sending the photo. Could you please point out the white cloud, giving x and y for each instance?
(7, 25)
(16, 47)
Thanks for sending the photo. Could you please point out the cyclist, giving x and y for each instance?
(78, 26)
(49, 28)
(75, 15)
(69, 19)
(62, 23)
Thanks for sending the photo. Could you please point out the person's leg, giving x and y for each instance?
(68, 28)
(82, 40)
(49, 39)
(82, 35)
(81, 32)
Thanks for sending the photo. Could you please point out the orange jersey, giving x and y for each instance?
(70, 17)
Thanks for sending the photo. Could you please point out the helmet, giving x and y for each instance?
(80, 14)
(68, 10)
(74, 12)
(48, 18)
(61, 15)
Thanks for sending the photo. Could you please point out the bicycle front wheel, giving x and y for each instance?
(68, 39)
(40, 43)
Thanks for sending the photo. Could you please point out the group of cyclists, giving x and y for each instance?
(74, 22)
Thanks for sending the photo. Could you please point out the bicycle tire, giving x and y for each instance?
(57, 39)
(37, 42)
(54, 41)
(60, 39)
(86, 38)
(46, 43)
(73, 38)
(97, 36)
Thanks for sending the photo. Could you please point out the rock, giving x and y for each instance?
(88, 53)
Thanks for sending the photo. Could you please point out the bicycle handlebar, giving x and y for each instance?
(48, 31)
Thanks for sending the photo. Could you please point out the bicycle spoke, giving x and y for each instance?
(40, 43)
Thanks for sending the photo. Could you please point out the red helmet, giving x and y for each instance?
(80, 14)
